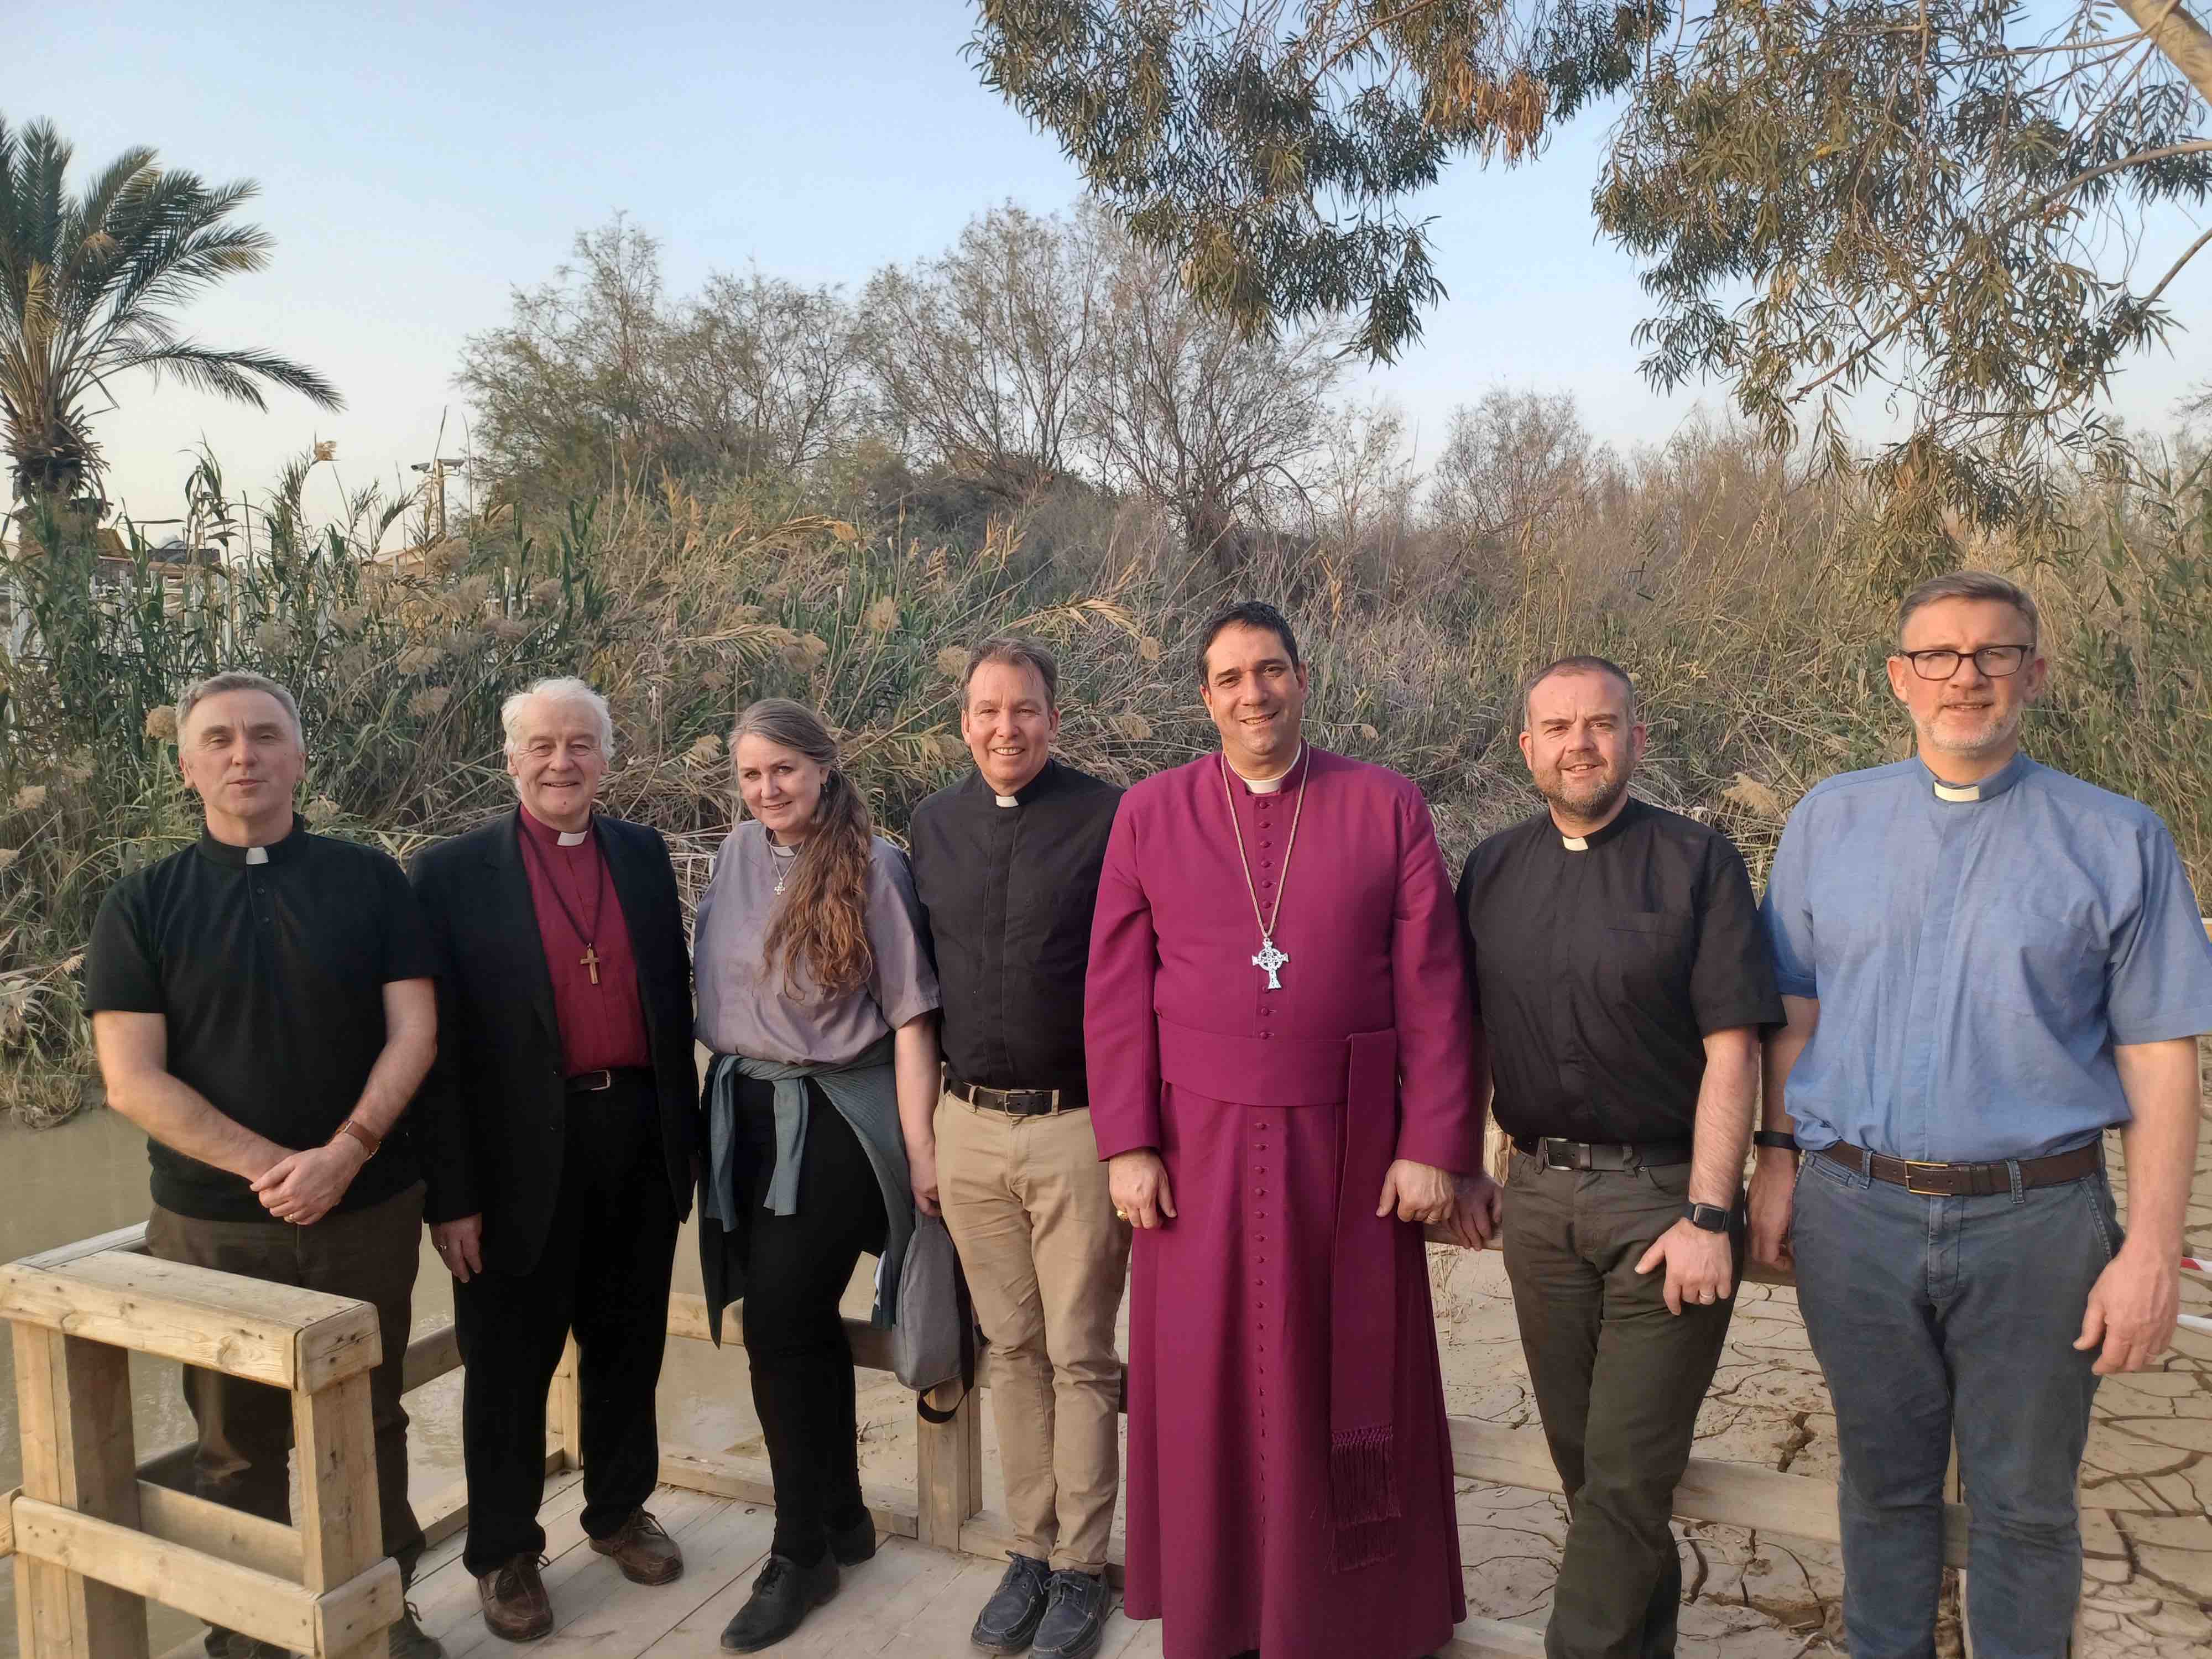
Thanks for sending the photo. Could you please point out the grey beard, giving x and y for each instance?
(1595, 808)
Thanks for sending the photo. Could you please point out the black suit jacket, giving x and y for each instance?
(490, 1116)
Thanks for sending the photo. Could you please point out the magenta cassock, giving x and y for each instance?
(1289, 1484)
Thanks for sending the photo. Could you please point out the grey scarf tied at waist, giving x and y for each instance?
(865, 1094)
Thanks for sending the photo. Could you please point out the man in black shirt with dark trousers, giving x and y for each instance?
(264, 1007)
(1623, 977)
(1005, 864)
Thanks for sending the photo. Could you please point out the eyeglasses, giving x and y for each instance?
(1995, 661)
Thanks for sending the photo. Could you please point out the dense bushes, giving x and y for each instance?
(1753, 613)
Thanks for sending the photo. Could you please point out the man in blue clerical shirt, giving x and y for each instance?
(1985, 965)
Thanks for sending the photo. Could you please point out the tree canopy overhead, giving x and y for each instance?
(1941, 203)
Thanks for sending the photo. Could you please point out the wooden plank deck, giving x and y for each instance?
(912, 1600)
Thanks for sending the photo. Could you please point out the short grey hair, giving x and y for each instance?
(1971, 585)
(561, 689)
(1580, 664)
(240, 679)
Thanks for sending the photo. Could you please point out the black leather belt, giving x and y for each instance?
(1554, 1153)
(1966, 1180)
(591, 1083)
(1017, 1102)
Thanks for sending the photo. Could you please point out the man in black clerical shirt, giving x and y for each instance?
(1623, 978)
(263, 1007)
(1007, 868)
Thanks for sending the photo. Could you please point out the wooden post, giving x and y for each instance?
(75, 1397)
(339, 1536)
(564, 1409)
(948, 1467)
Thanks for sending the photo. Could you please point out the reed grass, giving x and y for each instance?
(1754, 611)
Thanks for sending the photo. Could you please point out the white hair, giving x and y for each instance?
(566, 689)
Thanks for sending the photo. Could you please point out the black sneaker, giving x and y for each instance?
(783, 1594)
(1074, 1619)
(855, 1543)
(1010, 1618)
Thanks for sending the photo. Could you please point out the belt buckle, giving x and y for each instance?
(601, 1081)
(1551, 1162)
(1911, 1164)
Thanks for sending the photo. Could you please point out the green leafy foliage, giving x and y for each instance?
(89, 289)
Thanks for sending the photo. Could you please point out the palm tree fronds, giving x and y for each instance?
(90, 287)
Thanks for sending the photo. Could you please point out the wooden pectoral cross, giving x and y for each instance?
(591, 959)
(1269, 959)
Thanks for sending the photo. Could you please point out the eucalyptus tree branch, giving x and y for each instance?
(2175, 31)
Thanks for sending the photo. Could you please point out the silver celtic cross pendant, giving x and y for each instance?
(1269, 959)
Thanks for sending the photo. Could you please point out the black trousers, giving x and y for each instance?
(797, 1268)
(604, 1274)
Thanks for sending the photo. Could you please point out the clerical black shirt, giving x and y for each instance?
(1600, 968)
(270, 977)
(1008, 892)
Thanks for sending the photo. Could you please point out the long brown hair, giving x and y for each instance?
(823, 921)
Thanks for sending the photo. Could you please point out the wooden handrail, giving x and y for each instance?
(286, 1585)
(95, 1540)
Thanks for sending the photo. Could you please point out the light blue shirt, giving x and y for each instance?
(1975, 958)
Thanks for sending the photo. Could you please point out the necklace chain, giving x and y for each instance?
(591, 958)
(1266, 921)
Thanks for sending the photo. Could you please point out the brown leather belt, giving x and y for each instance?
(1966, 1180)
(1017, 1102)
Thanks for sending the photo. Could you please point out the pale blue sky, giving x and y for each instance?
(418, 161)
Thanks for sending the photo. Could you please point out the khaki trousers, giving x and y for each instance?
(1027, 1204)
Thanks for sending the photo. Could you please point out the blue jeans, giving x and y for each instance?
(1933, 1317)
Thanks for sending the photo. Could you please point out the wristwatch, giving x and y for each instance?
(1778, 1138)
(360, 1132)
(1707, 1218)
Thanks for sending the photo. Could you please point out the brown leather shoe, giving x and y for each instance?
(646, 1554)
(516, 1607)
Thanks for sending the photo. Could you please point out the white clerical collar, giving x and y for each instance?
(777, 850)
(1575, 843)
(1963, 794)
(575, 837)
(1007, 800)
(1269, 786)
(257, 855)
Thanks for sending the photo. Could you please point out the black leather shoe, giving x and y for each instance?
(1074, 1617)
(783, 1594)
(1010, 1618)
(856, 1543)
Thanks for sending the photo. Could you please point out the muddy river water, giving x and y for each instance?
(2145, 1486)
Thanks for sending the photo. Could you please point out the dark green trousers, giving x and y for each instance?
(245, 1428)
(1618, 1381)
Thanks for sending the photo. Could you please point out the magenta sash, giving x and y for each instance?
(1360, 1073)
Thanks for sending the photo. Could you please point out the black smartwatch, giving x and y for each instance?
(1780, 1138)
(1707, 1218)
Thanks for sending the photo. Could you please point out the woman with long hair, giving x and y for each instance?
(817, 995)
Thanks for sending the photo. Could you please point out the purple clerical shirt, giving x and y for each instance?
(602, 1024)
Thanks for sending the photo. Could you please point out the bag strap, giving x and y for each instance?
(933, 1414)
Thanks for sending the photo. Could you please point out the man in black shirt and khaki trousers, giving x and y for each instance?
(1623, 978)
(264, 1007)
(1007, 868)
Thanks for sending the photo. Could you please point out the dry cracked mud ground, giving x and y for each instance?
(2145, 1481)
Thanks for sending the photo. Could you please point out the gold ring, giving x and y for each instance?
(1121, 1215)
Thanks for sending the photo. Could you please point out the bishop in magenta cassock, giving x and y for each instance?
(1282, 1061)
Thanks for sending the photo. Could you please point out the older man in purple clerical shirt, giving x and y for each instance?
(1282, 1058)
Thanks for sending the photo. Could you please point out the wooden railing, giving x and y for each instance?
(94, 1540)
(94, 1534)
